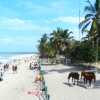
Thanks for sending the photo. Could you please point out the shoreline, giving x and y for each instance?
(15, 85)
(8, 57)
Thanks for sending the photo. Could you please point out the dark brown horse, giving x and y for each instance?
(88, 77)
(74, 76)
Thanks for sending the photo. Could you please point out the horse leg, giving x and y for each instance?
(94, 79)
(68, 80)
(81, 77)
(77, 81)
(84, 80)
(73, 81)
(90, 81)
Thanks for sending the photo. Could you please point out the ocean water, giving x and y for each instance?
(5, 56)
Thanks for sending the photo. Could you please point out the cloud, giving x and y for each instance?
(10, 44)
(15, 23)
(43, 8)
(5, 40)
(68, 19)
(21, 25)
(17, 40)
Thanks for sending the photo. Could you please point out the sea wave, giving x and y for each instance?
(6, 57)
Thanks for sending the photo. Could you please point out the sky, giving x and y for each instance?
(23, 22)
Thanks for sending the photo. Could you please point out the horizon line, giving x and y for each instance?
(22, 52)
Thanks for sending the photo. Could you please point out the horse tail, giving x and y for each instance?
(69, 76)
(82, 74)
(78, 75)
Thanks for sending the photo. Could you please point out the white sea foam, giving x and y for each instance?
(8, 58)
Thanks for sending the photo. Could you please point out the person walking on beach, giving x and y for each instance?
(1, 72)
(14, 68)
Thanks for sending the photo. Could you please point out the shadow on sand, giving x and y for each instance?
(81, 84)
(72, 68)
(97, 84)
(66, 69)
(68, 84)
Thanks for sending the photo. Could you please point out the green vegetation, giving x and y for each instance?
(60, 41)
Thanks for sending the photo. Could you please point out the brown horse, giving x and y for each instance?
(74, 76)
(88, 77)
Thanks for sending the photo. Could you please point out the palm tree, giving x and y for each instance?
(90, 19)
(65, 38)
(98, 15)
(60, 39)
(50, 50)
(43, 45)
(56, 39)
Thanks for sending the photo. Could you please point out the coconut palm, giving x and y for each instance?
(98, 15)
(43, 45)
(56, 39)
(65, 38)
(50, 50)
(90, 19)
(60, 40)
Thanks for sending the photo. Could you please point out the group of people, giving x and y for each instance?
(34, 65)
(5, 67)
(87, 77)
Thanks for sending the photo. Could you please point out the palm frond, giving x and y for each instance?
(89, 16)
(83, 22)
(85, 26)
(90, 8)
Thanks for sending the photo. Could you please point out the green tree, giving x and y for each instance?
(90, 19)
(42, 47)
(55, 39)
(82, 52)
(60, 39)
(51, 51)
(57, 44)
(98, 16)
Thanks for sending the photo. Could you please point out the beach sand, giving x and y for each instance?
(59, 89)
(16, 85)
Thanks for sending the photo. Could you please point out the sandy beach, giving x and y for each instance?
(16, 86)
(58, 88)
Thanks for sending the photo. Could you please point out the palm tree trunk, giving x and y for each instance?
(98, 19)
